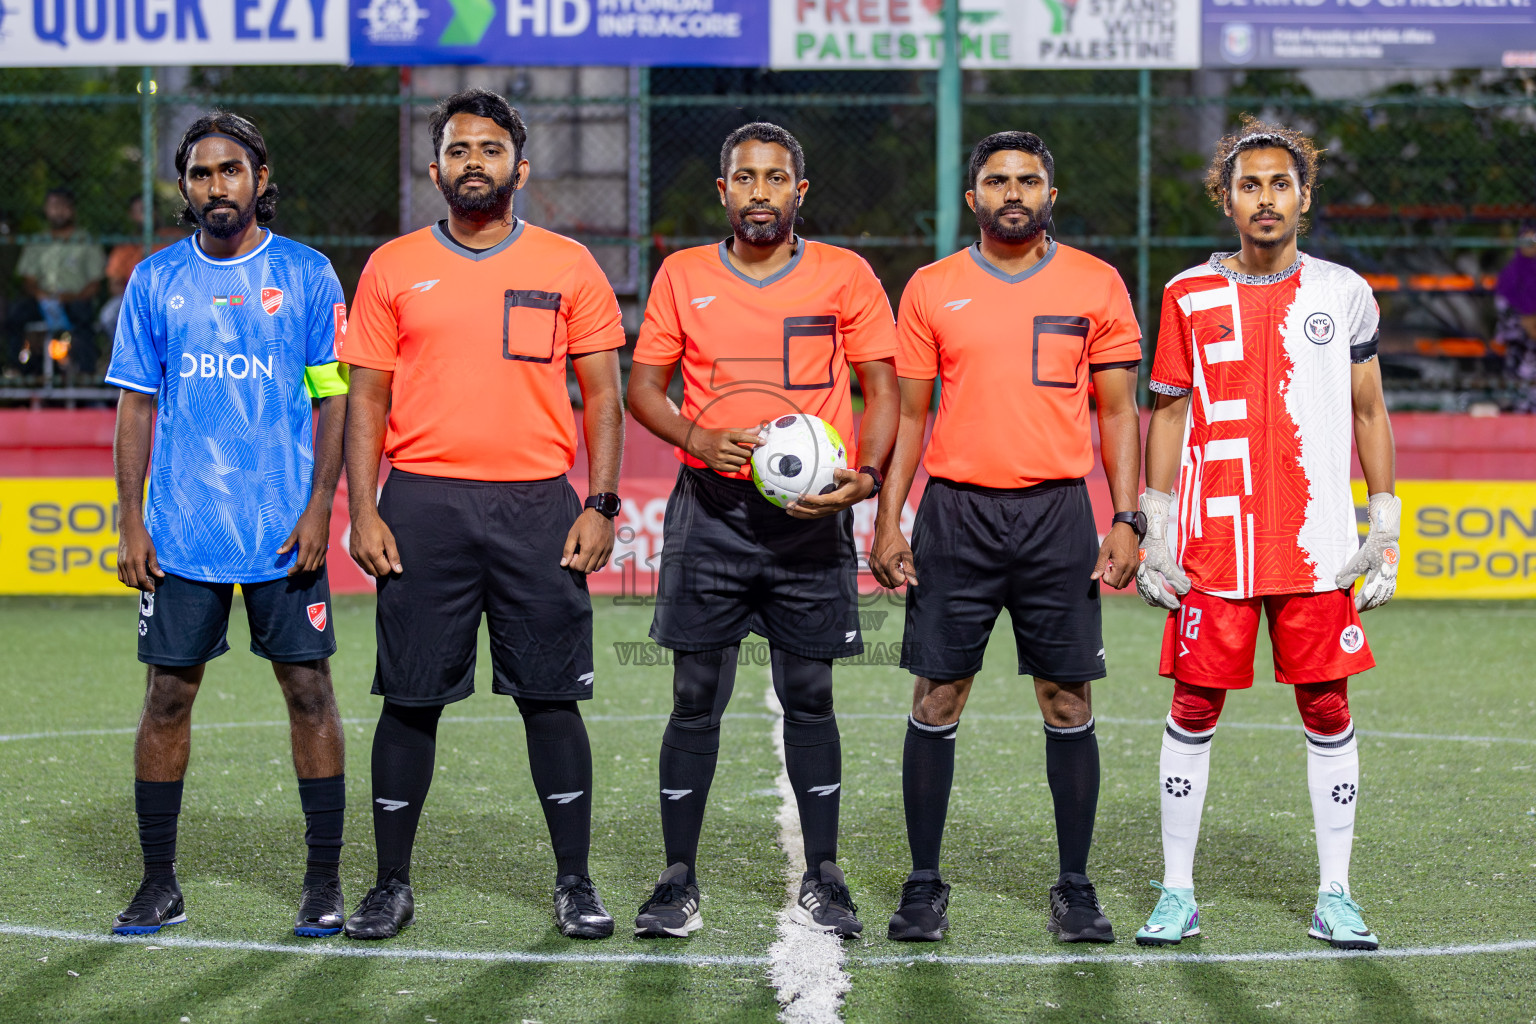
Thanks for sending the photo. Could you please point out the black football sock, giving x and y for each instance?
(325, 805)
(560, 758)
(158, 804)
(813, 752)
(1072, 769)
(702, 682)
(927, 775)
(813, 758)
(404, 750)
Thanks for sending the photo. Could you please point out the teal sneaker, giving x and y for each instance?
(1174, 919)
(1337, 921)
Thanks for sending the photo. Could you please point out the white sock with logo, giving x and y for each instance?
(1333, 779)
(1184, 772)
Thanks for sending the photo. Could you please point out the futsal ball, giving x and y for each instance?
(796, 457)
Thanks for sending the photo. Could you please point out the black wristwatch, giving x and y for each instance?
(875, 475)
(1137, 521)
(607, 503)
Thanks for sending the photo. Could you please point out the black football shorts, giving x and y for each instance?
(733, 563)
(184, 621)
(470, 547)
(978, 550)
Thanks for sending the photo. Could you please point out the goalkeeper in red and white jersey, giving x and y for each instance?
(1265, 371)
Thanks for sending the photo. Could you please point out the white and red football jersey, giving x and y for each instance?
(1264, 504)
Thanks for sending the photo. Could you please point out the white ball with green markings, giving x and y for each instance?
(797, 456)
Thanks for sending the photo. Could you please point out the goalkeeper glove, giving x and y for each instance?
(1377, 557)
(1159, 580)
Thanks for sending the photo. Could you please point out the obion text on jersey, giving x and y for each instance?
(216, 364)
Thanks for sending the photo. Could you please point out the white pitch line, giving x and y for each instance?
(974, 717)
(129, 730)
(348, 949)
(805, 966)
(1149, 959)
(1266, 726)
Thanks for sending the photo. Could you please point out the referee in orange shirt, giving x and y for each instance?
(764, 325)
(458, 343)
(1017, 327)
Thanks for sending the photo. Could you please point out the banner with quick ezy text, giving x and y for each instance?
(73, 33)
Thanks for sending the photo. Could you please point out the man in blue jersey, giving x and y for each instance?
(222, 341)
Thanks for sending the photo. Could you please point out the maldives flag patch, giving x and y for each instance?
(271, 300)
(317, 615)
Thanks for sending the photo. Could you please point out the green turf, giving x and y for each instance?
(1444, 851)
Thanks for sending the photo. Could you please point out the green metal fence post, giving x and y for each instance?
(147, 153)
(643, 191)
(1143, 191)
(946, 220)
(1144, 211)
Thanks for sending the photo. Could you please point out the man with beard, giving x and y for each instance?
(458, 345)
(765, 324)
(1018, 328)
(223, 340)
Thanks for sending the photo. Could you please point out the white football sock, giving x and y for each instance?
(1333, 779)
(1184, 773)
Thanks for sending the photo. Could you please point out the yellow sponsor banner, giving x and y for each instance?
(1465, 538)
(58, 535)
(1461, 539)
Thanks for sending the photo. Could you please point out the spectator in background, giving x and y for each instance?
(1515, 303)
(121, 261)
(60, 280)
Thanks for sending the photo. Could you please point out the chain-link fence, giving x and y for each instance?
(1423, 186)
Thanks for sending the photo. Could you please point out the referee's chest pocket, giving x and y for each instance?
(1057, 350)
(531, 328)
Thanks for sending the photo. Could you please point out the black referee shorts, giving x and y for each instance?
(734, 563)
(981, 549)
(471, 546)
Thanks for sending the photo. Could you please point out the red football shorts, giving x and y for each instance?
(1316, 638)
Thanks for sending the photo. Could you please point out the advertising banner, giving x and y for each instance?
(1461, 539)
(58, 535)
(1370, 33)
(868, 34)
(1466, 539)
(71, 33)
(555, 32)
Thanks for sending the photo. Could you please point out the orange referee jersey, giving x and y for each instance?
(1014, 354)
(754, 350)
(478, 343)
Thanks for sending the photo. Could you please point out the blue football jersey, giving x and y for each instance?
(224, 344)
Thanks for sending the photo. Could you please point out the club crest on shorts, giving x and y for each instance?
(1352, 639)
(1319, 328)
(271, 300)
(317, 615)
